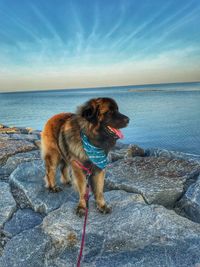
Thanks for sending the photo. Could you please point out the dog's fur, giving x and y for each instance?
(61, 144)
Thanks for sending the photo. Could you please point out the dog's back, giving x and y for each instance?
(50, 134)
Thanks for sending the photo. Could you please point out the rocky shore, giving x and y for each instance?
(155, 219)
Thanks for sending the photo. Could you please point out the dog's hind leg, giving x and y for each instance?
(51, 164)
(65, 176)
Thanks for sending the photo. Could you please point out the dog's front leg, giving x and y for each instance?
(97, 183)
(79, 181)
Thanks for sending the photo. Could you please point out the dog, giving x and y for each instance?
(99, 120)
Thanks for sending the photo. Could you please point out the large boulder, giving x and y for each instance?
(134, 234)
(13, 161)
(9, 147)
(7, 203)
(22, 220)
(189, 204)
(27, 249)
(160, 180)
(28, 188)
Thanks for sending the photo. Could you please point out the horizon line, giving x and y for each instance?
(97, 87)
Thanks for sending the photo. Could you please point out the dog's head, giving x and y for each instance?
(104, 115)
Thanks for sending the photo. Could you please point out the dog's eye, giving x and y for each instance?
(108, 113)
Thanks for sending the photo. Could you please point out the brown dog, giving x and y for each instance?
(100, 120)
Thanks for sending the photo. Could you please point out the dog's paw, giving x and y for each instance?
(55, 189)
(80, 211)
(104, 209)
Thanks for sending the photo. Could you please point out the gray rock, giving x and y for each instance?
(160, 180)
(134, 151)
(120, 145)
(156, 152)
(9, 130)
(189, 205)
(28, 137)
(4, 136)
(35, 132)
(14, 161)
(27, 249)
(4, 237)
(9, 147)
(175, 254)
(3, 174)
(124, 152)
(134, 234)
(115, 155)
(7, 203)
(22, 220)
(28, 188)
(25, 130)
(38, 144)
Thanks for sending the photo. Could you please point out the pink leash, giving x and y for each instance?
(88, 173)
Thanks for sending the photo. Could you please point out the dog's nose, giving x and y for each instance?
(126, 119)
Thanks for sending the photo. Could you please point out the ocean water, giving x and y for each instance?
(162, 116)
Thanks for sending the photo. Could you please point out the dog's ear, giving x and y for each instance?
(90, 112)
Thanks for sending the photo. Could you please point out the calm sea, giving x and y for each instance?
(163, 116)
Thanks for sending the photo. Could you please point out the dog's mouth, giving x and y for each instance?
(116, 133)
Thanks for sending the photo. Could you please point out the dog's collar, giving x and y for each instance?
(95, 154)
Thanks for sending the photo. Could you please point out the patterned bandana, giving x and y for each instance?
(95, 154)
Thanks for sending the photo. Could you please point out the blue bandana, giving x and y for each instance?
(95, 154)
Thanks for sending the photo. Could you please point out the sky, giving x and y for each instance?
(50, 44)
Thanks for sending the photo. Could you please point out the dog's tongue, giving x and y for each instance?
(117, 132)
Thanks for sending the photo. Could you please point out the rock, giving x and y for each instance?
(115, 155)
(27, 249)
(29, 129)
(35, 132)
(134, 234)
(4, 136)
(189, 205)
(37, 143)
(7, 203)
(28, 137)
(156, 152)
(14, 161)
(22, 220)
(160, 180)
(9, 147)
(24, 130)
(9, 130)
(3, 174)
(27, 183)
(134, 151)
(124, 152)
(120, 145)
(3, 240)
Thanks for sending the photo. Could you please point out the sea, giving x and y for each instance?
(165, 116)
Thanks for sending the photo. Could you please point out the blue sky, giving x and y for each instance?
(87, 43)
